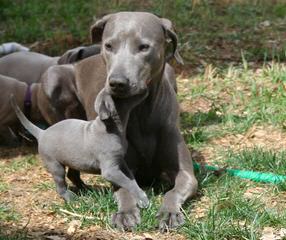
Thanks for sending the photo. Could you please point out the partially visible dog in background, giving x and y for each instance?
(54, 96)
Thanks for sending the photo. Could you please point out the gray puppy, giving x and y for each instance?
(89, 146)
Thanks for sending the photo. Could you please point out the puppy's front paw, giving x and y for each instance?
(68, 196)
(143, 201)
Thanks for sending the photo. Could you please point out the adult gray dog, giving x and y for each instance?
(80, 53)
(135, 48)
(89, 146)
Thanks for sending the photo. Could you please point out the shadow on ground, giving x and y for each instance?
(23, 150)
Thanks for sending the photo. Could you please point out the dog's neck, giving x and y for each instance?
(124, 107)
(154, 88)
(155, 108)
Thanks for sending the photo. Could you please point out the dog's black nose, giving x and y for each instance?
(118, 83)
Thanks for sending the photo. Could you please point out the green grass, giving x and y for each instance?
(240, 98)
(258, 159)
(100, 204)
(229, 214)
(23, 163)
(7, 213)
(43, 186)
(206, 30)
(3, 186)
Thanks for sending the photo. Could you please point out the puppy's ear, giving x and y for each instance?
(104, 105)
(173, 38)
(96, 30)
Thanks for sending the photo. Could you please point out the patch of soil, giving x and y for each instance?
(201, 208)
(266, 137)
(197, 105)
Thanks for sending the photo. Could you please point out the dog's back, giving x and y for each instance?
(25, 66)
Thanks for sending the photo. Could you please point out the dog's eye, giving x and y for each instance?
(144, 47)
(108, 46)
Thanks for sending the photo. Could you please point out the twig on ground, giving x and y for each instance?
(75, 214)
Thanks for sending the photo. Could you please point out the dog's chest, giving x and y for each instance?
(142, 137)
(83, 162)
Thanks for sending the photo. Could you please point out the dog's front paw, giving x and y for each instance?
(68, 196)
(143, 201)
(169, 220)
(126, 221)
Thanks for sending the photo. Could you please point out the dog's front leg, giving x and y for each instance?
(128, 195)
(114, 174)
(128, 214)
(185, 185)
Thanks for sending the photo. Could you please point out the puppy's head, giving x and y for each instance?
(59, 88)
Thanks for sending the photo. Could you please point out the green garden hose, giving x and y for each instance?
(251, 175)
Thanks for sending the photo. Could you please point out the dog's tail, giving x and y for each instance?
(7, 48)
(32, 128)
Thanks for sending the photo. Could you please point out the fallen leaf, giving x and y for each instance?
(268, 233)
(282, 233)
(147, 236)
(73, 226)
(265, 23)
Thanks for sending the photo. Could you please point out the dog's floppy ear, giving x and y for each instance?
(58, 83)
(104, 105)
(172, 36)
(96, 30)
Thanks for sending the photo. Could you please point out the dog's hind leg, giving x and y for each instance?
(178, 162)
(74, 176)
(58, 172)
